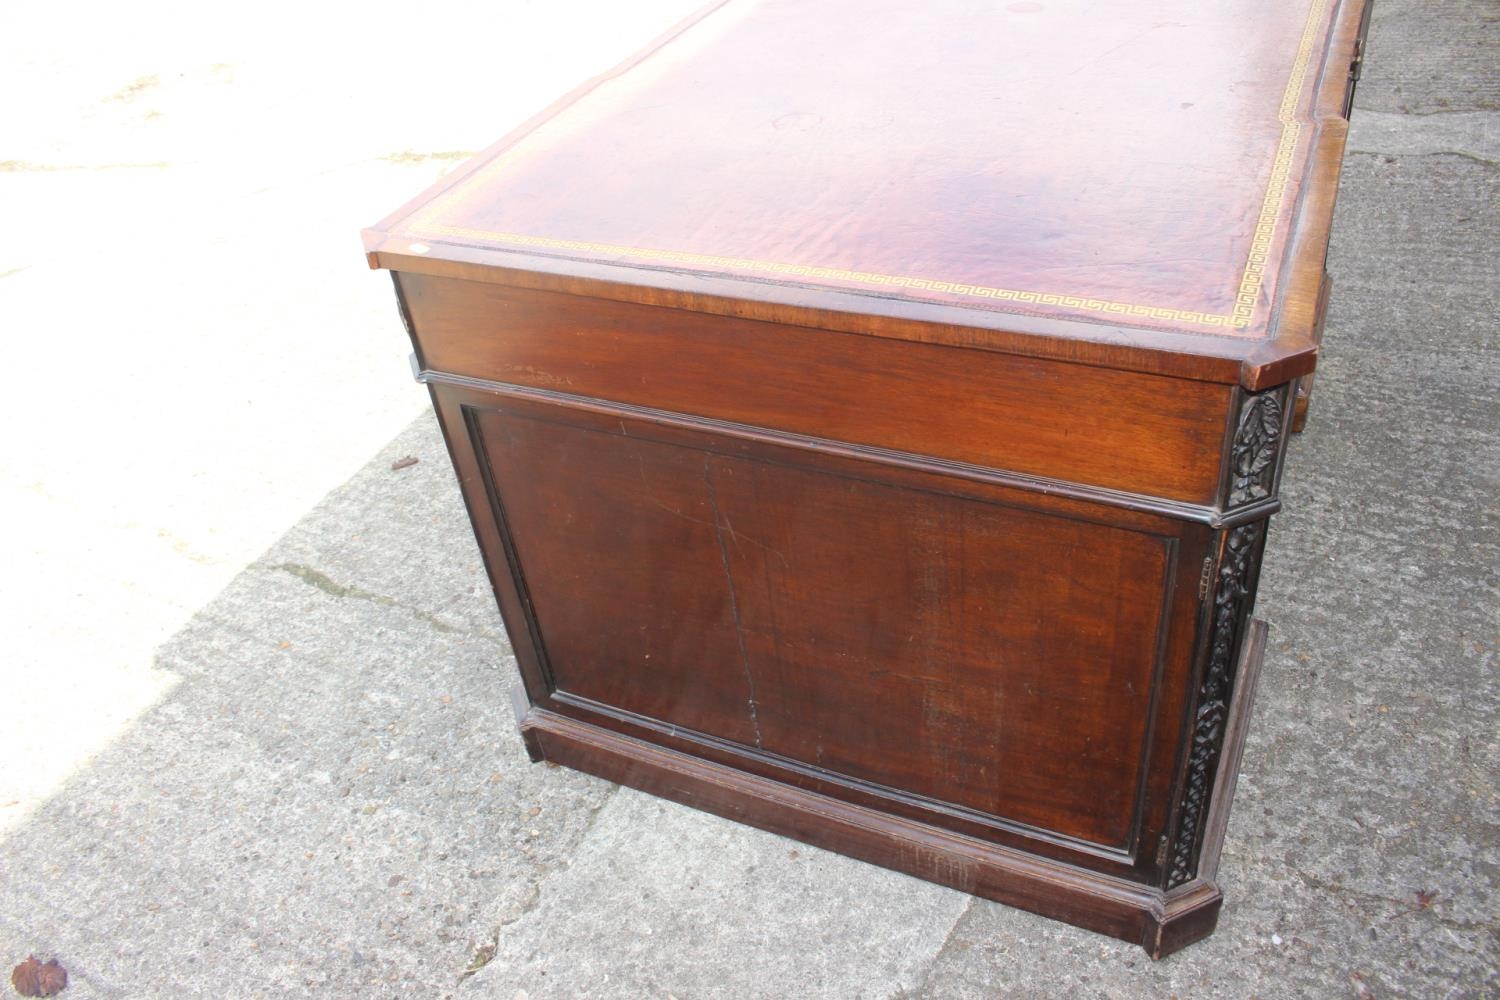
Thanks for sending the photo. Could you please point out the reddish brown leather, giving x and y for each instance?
(1121, 177)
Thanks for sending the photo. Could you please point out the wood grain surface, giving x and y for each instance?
(1137, 433)
(829, 613)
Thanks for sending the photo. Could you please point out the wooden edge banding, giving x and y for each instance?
(1276, 362)
(1351, 23)
(1235, 731)
(1300, 403)
(1189, 914)
(1292, 348)
(1204, 357)
(521, 706)
(1122, 909)
(1303, 396)
(1293, 351)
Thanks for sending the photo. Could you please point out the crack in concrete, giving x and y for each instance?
(1435, 113)
(533, 899)
(481, 957)
(321, 581)
(1472, 134)
(531, 902)
(1437, 152)
(593, 820)
(1403, 907)
(919, 989)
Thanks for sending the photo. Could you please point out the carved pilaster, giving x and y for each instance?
(1257, 445)
(1253, 462)
(1237, 571)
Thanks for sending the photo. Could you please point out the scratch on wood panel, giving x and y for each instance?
(540, 377)
(734, 604)
(646, 496)
(729, 527)
(737, 538)
(939, 866)
(771, 591)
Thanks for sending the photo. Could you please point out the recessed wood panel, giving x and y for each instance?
(621, 557)
(996, 659)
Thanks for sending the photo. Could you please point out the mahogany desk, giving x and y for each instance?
(870, 414)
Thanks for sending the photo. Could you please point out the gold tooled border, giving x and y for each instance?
(1251, 279)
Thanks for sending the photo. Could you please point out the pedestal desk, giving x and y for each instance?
(870, 414)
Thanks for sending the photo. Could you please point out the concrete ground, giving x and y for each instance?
(257, 741)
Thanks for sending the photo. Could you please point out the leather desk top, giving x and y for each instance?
(1057, 177)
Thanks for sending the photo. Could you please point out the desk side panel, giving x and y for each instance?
(931, 642)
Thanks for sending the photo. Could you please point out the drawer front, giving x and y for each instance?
(1149, 435)
(969, 654)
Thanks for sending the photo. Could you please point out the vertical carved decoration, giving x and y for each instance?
(1241, 552)
(1257, 441)
(1252, 472)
